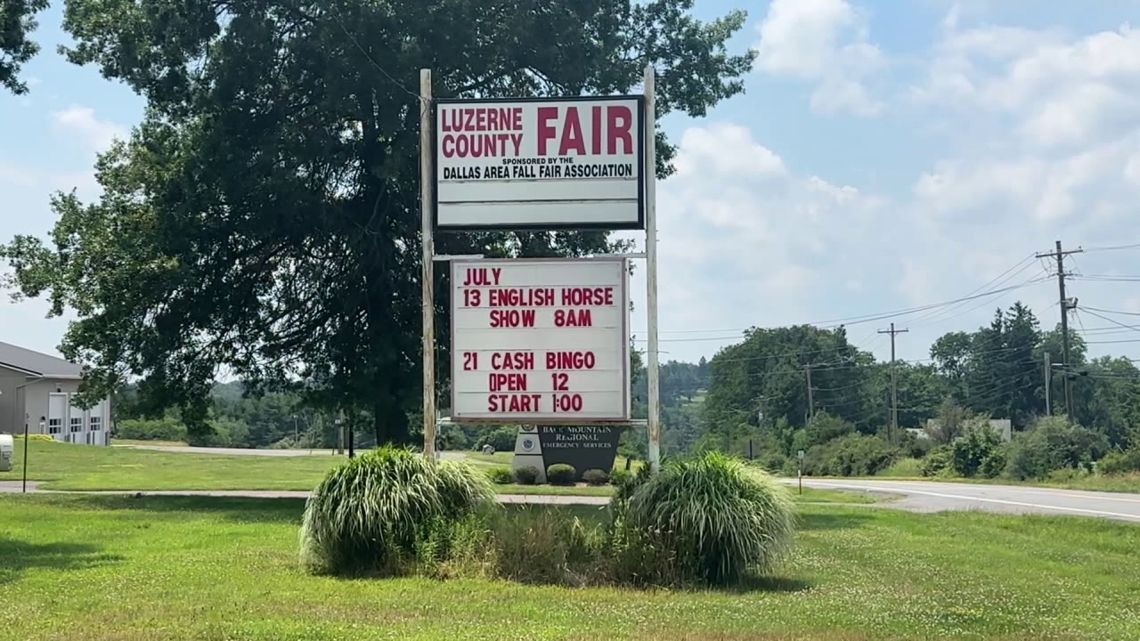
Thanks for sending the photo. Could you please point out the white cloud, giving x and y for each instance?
(96, 134)
(824, 41)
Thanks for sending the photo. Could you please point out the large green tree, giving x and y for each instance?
(264, 216)
(17, 22)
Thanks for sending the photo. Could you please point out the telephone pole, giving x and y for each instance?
(1066, 305)
(1048, 385)
(893, 430)
(811, 402)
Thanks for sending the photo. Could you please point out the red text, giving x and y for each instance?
(506, 382)
(521, 297)
(583, 296)
(512, 318)
(566, 402)
(513, 402)
(573, 318)
(613, 124)
(512, 360)
(570, 360)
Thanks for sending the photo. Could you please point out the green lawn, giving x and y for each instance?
(153, 568)
(62, 466)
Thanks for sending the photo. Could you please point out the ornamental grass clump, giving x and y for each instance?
(368, 515)
(710, 520)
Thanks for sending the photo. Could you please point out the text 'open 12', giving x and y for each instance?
(546, 163)
(540, 341)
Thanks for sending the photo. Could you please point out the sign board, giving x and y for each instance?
(561, 163)
(542, 341)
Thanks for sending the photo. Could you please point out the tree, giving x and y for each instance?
(17, 22)
(264, 216)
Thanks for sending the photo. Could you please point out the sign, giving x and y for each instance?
(543, 341)
(562, 163)
(586, 447)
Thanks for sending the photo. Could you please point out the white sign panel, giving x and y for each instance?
(540, 164)
(540, 341)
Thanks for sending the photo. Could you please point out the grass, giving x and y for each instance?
(1124, 483)
(504, 458)
(126, 569)
(131, 441)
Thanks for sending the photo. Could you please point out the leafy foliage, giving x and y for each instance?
(368, 514)
(1054, 443)
(526, 475)
(716, 519)
(978, 452)
(17, 22)
(501, 475)
(595, 477)
(1119, 462)
(851, 455)
(561, 474)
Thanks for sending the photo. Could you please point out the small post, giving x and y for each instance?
(427, 212)
(24, 487)
(650, 169)
(800, 471)
(750, 457)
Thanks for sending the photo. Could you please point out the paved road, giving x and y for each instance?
(915, 496)
(240, 451)
(14, 487)
(930, 496)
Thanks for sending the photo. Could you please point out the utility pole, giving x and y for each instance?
(1048, 385)
(894, 428)
(811, 402)
(1066, 305)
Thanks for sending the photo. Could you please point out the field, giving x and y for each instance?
(123, 568)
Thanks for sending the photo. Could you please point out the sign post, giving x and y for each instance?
(427, 275)
(800, 471)
(652, 379)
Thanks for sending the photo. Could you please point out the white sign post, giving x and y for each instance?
(540, 341)
(559, 163)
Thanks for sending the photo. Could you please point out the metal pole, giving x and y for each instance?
(1048, 385)
(24, 488)
(427, 213)
(650, 169)
(1064, 331)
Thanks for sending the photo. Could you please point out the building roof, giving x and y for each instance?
(36, 363)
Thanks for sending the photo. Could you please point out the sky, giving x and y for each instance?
(886, 157)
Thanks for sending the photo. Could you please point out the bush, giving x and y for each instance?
(971, 453)
(501, 475)
(851, 455)
(903, 468)
(46, 438)
(369, 514)
(595, 477)
(937, 461)
(1120, 462)
(1054, 443)
(561, 474)
(619, 478)
(166, 429)
(526, 475)
(710, 520)
(538, 544)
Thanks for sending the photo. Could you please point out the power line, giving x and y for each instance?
(1112, 248)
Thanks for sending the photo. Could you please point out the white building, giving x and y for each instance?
(38, 390)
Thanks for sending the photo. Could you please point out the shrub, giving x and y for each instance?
(710, 520)
(619, 478)
(1120, 462)
(936, 461)
(851, 455)
(537, 544)
(561, 474)
(903, 468)
(369, 513)
(501, 438)
(46, 438)
(166, 429)
(595, 477)
(1054, 443)
(970, 453)
(501, 475)
(526, 475)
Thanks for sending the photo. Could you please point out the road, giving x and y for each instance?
(931, 496)
(241, 451)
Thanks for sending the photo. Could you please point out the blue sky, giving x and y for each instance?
(887, 155)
